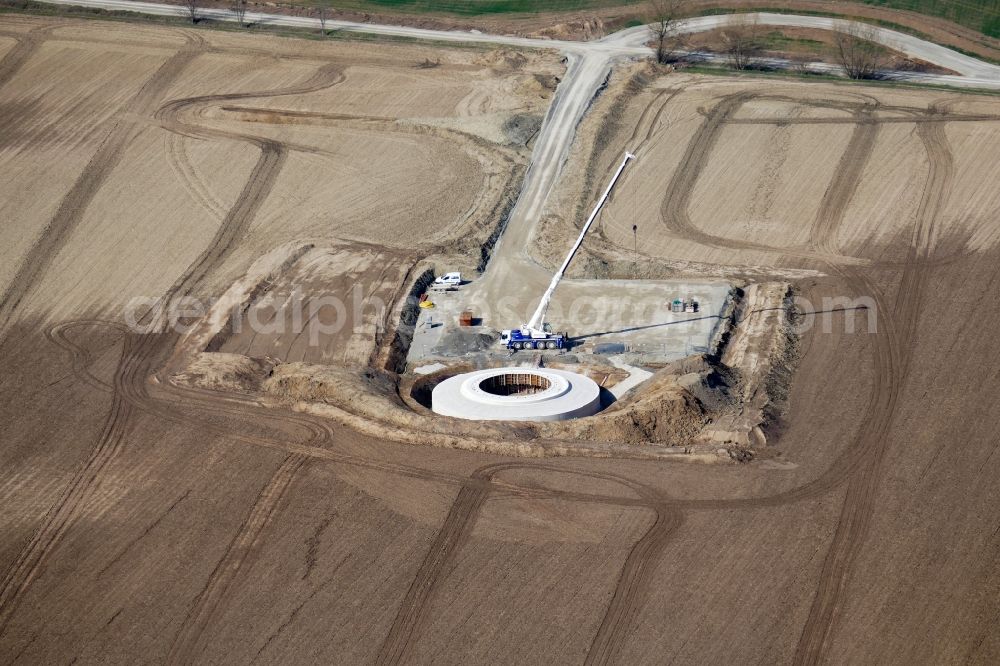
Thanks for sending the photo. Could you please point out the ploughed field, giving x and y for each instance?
(885, 198)
(149, 521)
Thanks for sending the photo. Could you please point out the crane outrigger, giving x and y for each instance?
(537, 334)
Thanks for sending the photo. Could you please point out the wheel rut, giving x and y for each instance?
(257, 187)
(895, 341)
(412, 614)
(128, 390)
(674, 211)
(190, 640)
(632, 588)
(860, 465)
(73, 206)
(71, 505)
(841, 190)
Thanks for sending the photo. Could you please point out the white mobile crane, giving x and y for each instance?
(536, 334)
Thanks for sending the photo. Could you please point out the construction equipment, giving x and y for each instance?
(689, 304)
(537, 334)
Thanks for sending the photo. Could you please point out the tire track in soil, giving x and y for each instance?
(73, 501)
(860, 464)
(435, 567)
(632, 588)
(257, 188)
(823, 235)
(891, 120)
(190, 638)
(467, 511)
(134, 364)
(895, 351)
(80, 356)
(183, 405)
(27, 43)
(71, 504)
(19, 54)
(674, 211)
(619, 615)
(649, 120)
(632, 585)
(237, 220)
(73, 206)
(184, 168)
(412, 612)
(255, 191)
(680, 187)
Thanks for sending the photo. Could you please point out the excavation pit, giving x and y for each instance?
(515, 383)
(508, 394)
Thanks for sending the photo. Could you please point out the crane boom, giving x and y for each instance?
(535, 323)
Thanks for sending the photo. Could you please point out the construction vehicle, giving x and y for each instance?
(537, 334)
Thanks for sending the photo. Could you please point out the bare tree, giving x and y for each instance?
(192, 7)
(858, 53)
(665, 15)
(741, 38)
(239, 8)
(321, 14)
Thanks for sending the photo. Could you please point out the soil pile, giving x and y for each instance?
(219, 371)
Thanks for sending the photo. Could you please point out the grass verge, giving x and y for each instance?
(723, 70)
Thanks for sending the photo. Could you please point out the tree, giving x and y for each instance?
(665, 25)
(742, 40)
(321, 14)
(192, 7)
(239, 8)
(858, 53)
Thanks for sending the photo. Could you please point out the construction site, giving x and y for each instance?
(408, 343)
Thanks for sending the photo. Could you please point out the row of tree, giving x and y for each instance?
(855, 47)
(239, 10)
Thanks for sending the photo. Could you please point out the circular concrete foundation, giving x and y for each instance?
(517, 394)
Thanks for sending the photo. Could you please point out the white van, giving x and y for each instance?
(448, 280)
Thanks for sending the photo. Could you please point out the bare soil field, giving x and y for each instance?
(825, 172)
(367, 277)
(904, 213)
(188, 116)
(157, 521)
